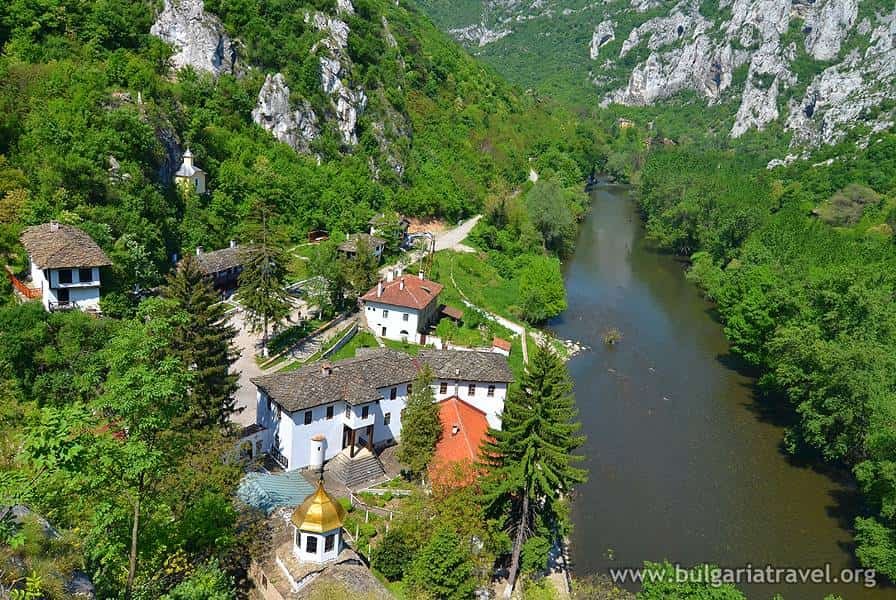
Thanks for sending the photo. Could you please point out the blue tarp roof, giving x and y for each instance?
(270, 491)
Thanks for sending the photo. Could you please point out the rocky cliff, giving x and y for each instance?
(816, 67)
(198, 37)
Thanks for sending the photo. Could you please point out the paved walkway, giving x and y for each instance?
(452, 238)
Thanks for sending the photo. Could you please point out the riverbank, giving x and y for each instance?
(684, 463)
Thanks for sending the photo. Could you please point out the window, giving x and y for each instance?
(85, 275)
(277, 411)
(387, 418)
(330, 411)
(471, 389)
(393, 393)
(385, 314)
(410, 388)
(348, 411)
(62, 296)
(308, 417)
(365, 412)
(443, 387)
(311, 544)
(405, 317)
(491, 391)
(329, 542)
(383, 334)
(65, 275)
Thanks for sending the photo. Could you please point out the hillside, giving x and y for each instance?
(330, 110)
(810, 71)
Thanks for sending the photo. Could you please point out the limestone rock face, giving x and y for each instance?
(296, 126)
(197, 36)
(828, 25)
(603, 35)
(479, 34)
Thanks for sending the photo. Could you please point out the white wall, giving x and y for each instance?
(492, 406)
(320, 556)
(394, 322)
(83, 294)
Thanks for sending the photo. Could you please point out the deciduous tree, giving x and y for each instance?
(420, 425)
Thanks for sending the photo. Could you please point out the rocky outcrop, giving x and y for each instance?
(827, 25)
(603, 34)
(479, 34)
(296, 126)
(198, 37)
(347, 102)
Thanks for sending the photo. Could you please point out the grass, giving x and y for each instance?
(406, 347)
(474, 279)
(362, 339)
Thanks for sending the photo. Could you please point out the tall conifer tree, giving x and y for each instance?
(420, 425)
(262, 280)
(205, 343)
(531, 458)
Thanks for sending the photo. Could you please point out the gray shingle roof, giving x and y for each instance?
(220, 260)
(58, 246)
(356, 380)
(466, 365)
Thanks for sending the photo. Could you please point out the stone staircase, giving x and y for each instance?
(362, 470)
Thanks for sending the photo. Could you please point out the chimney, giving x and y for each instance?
(326, 369)
(54, 226)
(401, 284)
(390, 275)
(379, 288)
(398, 271)
(455, 430)
(198, 250)
(421, 273)
(233, 243)
(188, 158)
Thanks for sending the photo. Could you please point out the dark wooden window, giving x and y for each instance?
(410, 388)
(387, 418)
(365, 412)
(329, 542)
(348, 411)
(405, 316)
(330, 411)
(311, 544)
(471, 389)
(491, 391)
(443, 387)
(393, 393)
(308, 417)
(85, 275)
(62, 296)
(65, 275)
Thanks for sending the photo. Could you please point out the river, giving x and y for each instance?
(684, 464)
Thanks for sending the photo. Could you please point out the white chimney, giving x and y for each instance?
(455, 430)
(318, 451)
(326, 368)
(401, 284)
(233, 243)
(398, 271)
(379, 289)
(198, 250)
(390, 275)
(54, 226)
(421, 273)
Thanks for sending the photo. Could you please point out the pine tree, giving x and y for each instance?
(443, 569)
(262, 280)
(205, 343)
(531, 458)
(420, 425)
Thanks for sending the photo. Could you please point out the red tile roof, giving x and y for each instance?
(464, 428)
(412, 293)
(501, 343)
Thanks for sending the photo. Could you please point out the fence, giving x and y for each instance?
(346, 338)
(27, 292)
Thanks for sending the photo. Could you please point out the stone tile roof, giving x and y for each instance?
(220, 260)
(414, 292)
(351, 243)
(466, 365)
(58, 246)
(356, 380)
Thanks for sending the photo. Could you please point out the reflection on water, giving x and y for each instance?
(683, 465)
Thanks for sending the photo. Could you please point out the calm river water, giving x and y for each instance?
(683, 464)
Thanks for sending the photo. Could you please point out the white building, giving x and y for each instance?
(317, 528)
(358, 402)
(402, 308)
(350, 246)
(190, 175)
(65, 266)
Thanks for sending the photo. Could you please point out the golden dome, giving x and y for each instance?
(319, 512)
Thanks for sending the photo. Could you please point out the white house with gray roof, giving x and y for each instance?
(358, 402)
